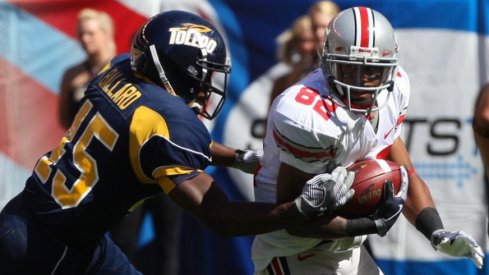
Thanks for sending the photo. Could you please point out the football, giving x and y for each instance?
(370, 176)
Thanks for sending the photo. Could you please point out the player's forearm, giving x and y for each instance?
(325, 228)
(252, 218)
(480, 123)
(480, 128)
(482, 142)
(222, 155)
(420, 209)
(419, 198)
(204, 198)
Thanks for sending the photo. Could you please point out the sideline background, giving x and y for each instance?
(444, 47)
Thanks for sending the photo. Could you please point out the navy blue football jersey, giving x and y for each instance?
(127, 134)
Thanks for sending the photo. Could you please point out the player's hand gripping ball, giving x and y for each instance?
(370, 176)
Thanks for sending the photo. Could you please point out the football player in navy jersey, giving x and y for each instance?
(135, 136)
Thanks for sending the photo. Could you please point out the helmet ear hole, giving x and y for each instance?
(193, 71)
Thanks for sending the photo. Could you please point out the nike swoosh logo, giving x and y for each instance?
(399, 121)
(301, 258)
(388, 132)
(398, 212)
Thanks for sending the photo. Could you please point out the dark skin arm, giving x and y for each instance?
(222, 155)
(202, 197)
(419, 196)
(289, 185)
(480, 126)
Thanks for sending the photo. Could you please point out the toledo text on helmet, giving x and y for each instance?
(193, 35)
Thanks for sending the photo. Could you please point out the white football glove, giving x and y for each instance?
(325, 193)
(247, 160)
(457, 244)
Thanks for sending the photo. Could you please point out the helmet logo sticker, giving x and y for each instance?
(364, 52)
(193, 35)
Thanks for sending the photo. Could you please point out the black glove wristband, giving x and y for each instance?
(238, 155)
(428, 221)
(361, 226)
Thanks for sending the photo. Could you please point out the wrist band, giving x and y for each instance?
(427, 221)
(411, 171)
(361, 226)
(238, 155)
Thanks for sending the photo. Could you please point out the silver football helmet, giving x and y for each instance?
(360, 47)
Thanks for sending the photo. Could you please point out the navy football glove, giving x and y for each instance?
(391, 206)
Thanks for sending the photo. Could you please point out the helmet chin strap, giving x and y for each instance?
(160, 70)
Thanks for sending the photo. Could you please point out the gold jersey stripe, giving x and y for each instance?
(145, 124)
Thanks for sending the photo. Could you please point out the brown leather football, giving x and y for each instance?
(370, 176)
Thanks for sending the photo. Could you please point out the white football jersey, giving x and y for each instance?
(308, 130)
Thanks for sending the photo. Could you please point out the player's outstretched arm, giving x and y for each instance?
(244, 160)
(202, 197)
(379, 223)
(420, 210)
(324, 227)
(328, 192)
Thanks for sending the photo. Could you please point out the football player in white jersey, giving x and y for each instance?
(351, 108)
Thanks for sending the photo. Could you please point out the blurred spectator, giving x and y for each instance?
(301, 45)
(297, 50)
(321, 13)
(96, 36)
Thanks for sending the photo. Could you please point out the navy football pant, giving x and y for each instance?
(27, 248)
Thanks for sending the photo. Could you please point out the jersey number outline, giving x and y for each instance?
(322, 106)
(86, 164)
